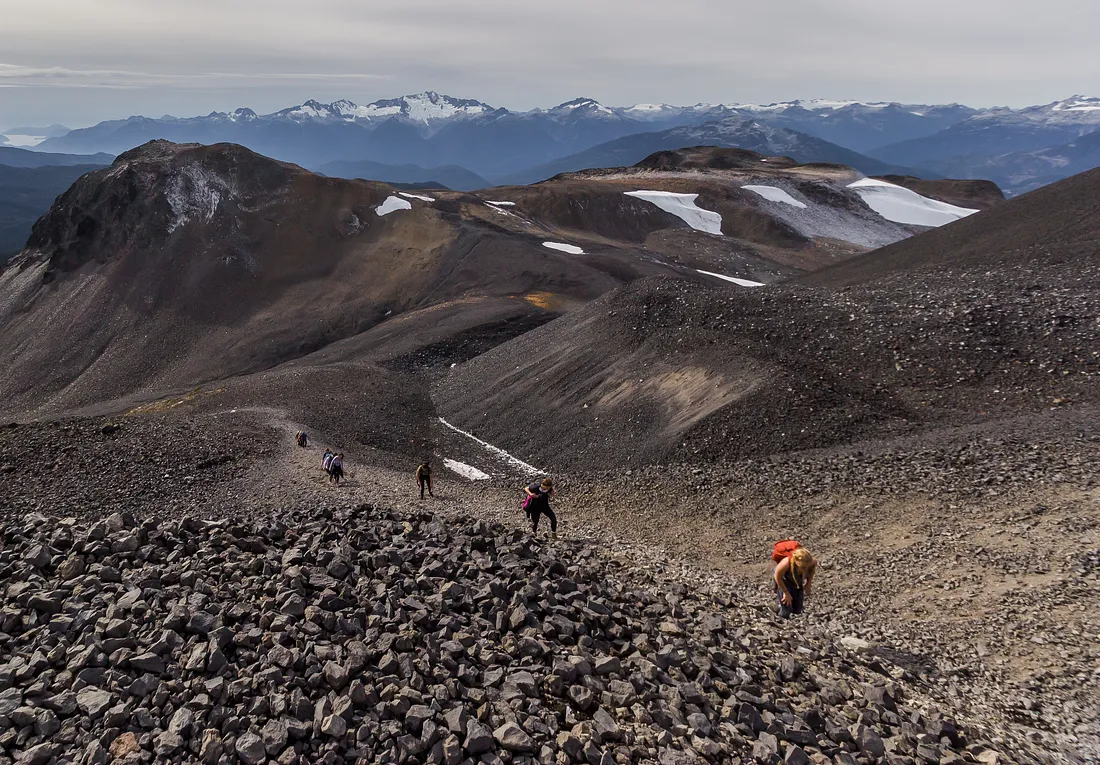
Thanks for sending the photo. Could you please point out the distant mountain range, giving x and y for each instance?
(448, 177)
(430, 130)
(732, 132)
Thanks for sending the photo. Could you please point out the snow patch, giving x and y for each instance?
(529, 469)
(734, 279)
(683, 207)
(500, 204)
(415, 196)
(773, 194)
(572, 249)
(901, 205)
(194, 193)
(393, 204)
(466, 471)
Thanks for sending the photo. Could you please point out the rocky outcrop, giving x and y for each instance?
(365, 636)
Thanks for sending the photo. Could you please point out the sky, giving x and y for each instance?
(77, 62)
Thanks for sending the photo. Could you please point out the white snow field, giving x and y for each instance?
(774, 194)
(466, 471)
(415, 196)
(734, 279)
(393, 204)
(500, 204)
(901, 205)
(514, 461)
(683, 207)
(572, 249)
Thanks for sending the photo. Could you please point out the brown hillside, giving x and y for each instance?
(1055, 226)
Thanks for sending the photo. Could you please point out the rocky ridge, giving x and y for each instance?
(360, 635)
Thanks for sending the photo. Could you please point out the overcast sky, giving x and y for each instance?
(81, 61)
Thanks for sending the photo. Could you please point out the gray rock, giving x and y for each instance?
(608, 665)
(148, 662)
(71, 568)
(451, 750)
(455, 720)
(10, 700)
(37, 755)
(479, 739)
(335, 675)
(415, 718)
(582, 698)
(868, 741)
(167, 743)
(796, 756)
(93, 701)
(181, 721)
(334, 726)
(250, 748)
(513, 738)
(606, 726)
(275, 735)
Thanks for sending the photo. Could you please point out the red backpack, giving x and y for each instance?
(783, 549)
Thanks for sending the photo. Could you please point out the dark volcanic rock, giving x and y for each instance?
(431, 679)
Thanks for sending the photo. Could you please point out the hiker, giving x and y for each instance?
(537, 504)
(336, 468)
(794, 575)
(302, 438)
(424, 478)
(326, 461)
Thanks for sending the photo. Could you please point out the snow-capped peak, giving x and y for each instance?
(426, 107)
(310, 110)
(241, 115)
(812, 105)
(648, 108)
(350, 110)
(1077, 104)
(583, 104)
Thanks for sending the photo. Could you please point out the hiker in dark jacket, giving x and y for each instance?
(424, 478)
(336, 468)
(538, 505)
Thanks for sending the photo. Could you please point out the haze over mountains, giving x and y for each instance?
(431, 130)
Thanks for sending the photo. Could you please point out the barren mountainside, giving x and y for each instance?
(709, 351)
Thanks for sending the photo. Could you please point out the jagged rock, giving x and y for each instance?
(39, 754)
(250, 748)
(211, 747)
(71, 568)
(479, 739)
(275, 735)
(513, 738)
(587, 675)
(606, 726)
(93, 701)
(124, 745)
(167, 743)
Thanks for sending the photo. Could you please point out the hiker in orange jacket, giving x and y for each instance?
(794, 575)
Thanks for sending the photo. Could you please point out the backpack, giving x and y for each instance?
(783, 549)
(529, 500)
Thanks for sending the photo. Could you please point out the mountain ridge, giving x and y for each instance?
(430, 129)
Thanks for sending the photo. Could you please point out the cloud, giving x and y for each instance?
(206, 54)
(14, 76)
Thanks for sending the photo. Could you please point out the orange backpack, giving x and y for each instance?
(783, 549)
